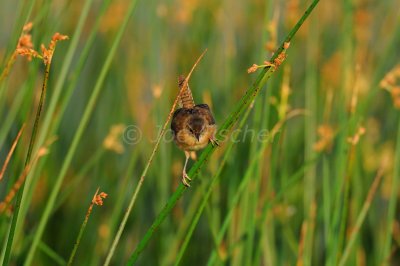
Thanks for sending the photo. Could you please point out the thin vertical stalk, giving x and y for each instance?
(392, 201)
(310, 126)
(27, 160)
(345, 151)
(97, 199)
(10, 153)
(361, 217)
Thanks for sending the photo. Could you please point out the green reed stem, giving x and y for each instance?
(80, 234)
(361, 218)
(27, 160)
(391, 216)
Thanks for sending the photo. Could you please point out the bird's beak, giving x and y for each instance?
(197, 137)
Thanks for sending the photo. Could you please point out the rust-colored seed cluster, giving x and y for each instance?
(25, 46)
(98, 198)
(391, 83)
(253, 68)
(326, 135)
(277, 61)
(356, 138)
(48, 53)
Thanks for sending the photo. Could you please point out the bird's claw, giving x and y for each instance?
(186, 179)
(214, 142)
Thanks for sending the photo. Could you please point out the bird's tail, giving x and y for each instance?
(186, 94)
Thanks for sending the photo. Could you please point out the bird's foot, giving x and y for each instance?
(214, 142)
(186, 179)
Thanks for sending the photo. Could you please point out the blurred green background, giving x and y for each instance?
(330, 111)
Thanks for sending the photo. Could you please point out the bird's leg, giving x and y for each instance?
(185, 178)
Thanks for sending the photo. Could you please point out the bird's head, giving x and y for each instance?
(196, 126)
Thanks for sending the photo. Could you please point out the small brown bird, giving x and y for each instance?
(193, 126)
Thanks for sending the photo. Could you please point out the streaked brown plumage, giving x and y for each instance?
(193, 126)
